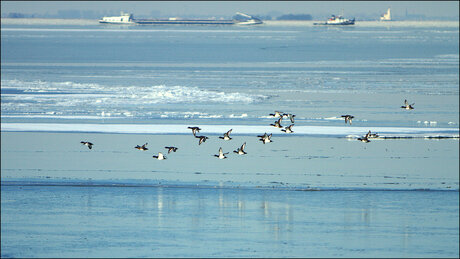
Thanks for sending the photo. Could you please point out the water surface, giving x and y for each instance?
(81, 221)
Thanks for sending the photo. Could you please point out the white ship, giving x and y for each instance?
(126, 18)
(386, 16)
(337, 20)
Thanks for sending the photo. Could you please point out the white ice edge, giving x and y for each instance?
(220, 129)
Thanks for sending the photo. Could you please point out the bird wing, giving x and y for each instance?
(368, 134)
(263, 136)
(243, 146)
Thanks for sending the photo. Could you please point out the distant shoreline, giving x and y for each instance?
(54, 21)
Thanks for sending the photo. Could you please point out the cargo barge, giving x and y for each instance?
(126, 18)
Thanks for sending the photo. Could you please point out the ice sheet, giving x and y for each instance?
(237, 129)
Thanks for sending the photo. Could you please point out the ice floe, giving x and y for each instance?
(334, 131)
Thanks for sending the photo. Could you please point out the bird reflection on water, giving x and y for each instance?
(207, 222)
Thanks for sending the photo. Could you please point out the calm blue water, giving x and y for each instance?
(63, 221)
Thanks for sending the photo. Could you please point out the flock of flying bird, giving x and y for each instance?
(264, 138)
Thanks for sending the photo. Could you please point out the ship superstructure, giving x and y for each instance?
(124, 18)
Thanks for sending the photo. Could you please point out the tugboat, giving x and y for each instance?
(337, 20)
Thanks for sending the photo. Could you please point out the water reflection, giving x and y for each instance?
(89, 200)
(160, 206)
(366, 215)
(283, 216)
(350, 224)
(275, 216)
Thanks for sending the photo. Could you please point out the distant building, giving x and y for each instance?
(386, 16)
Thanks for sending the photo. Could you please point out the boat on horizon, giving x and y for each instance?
(337, 20)
(127, 19)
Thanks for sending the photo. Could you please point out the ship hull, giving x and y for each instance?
(153, 22)
(352, 22)
(105, 22)
(347, 23)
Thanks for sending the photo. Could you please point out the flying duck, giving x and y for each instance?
(221, 154)
(348, 118)
(365, 139)
(266, 139)
(240, 151)
(290, 116)
(160, 156)
(277, 123)
(263, 136)
(142, 147)
(373, 135)
(88, 144)
(202, 139)
(407, 106)
(276, 114)
(288, 129)
(226, 135)
(173, 149)
(194, 130)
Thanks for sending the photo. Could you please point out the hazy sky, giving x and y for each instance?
(228, 8)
